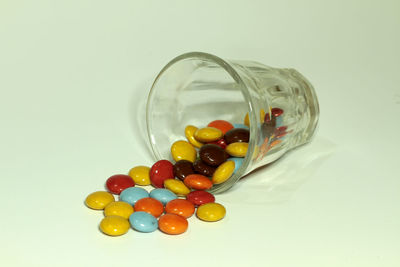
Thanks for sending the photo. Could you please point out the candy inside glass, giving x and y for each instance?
(197, 88)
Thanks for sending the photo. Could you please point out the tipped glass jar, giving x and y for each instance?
(197, 88)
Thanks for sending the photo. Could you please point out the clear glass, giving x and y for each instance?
(197, 88)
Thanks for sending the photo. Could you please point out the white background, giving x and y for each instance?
(73, 79)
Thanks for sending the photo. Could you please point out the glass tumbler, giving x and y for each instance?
(197, 88)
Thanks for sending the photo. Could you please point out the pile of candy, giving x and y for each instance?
(209, 157)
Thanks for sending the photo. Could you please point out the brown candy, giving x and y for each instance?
(213, 155)
(201, 168)
(237, 135)
(183, 168)
(268, 127)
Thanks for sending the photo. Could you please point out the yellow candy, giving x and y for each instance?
(118, 208)
(208, 134)
(140, 175)
(189, 132)
(99, 200)
(114, 225)
(223, 172)
(182, 150)
(176, 186)
(211, 212)
(238, 149)
(247, 120)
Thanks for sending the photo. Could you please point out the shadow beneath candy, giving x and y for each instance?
(277, 181)
(137, 117)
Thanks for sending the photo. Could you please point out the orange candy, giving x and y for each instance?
(181, 207)
(172, 224)
(149, 205)
(198, 182)
(222, 125)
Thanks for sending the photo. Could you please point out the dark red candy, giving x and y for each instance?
(221, 143)
(161, 171)
(183, 168)
(119, 182)
(201, 168)
(276, 112)
(200, 197)
(212, 155)
(237, 135)
(280, 131)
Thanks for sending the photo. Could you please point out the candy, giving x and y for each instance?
(114, 225)
(99, 200)
(183, 168)
(133, 194)
(237, 149)
(143, 222)
(276, 112)
(211, 212)
(247, 120)
(238, 162)
(280, 131)
(212, 154)
(118, 208)
(119, 182)
(176, 186)
(237, 135)
(208, 134)
(182, 150)
(221, 143)
(189, 133)
(149, 205)
(202, 168)
(161, 171)
(240, 125)
(223, 172)
(198, 181)
(180, 207)
(268, 128)
(222, 125)
(172, 224)
(140, 175)
(200, 197)
(162, 195)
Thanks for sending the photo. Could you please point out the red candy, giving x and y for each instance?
(161, 171)
(280, 131)
(221, 143)
(274, 111)
(119, 182)
(222, 125)
(200, 197)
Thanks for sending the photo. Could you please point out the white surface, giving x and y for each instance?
(74, 73)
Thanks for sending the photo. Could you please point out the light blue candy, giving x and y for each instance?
(162, 195)
(143, 222)
(133, 194)
(238, 163)
(240, 125)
